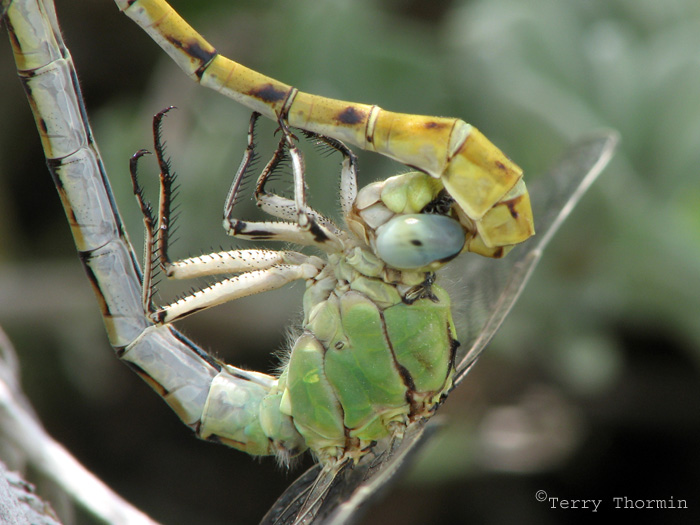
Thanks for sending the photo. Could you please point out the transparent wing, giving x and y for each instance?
(490, 287)
(341, 498)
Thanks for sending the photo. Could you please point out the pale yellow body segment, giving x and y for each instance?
(487, 186)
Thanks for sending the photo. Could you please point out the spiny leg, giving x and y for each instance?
(149, 222)
(156, 232)
(285, 208)
(237, 261)
(233, 261)
(299, 170)
(288, 209)
(166, 192)
(348, 173)
(306, 230)
(259, 270)
(282, 207)
(250, 156)
(243, 285)
(288, 212)
(237, 227)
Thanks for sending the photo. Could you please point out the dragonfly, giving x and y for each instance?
(205, 392)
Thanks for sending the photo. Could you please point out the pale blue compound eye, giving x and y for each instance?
(409, 242)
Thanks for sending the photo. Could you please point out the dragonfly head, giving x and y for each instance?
(412, 222)
(409, 221)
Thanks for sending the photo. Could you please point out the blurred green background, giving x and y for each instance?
(591, 388)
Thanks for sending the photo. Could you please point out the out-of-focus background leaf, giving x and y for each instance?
(591, 388)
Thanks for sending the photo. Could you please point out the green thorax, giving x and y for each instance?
(369, 360)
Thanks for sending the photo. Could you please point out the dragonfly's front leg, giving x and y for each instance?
(300, 224)
(348, 172)
(284, 208)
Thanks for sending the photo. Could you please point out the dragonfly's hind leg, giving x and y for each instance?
(157, 232)
(149, 222)
(236, 261)
(300, 224)
(236, 287)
